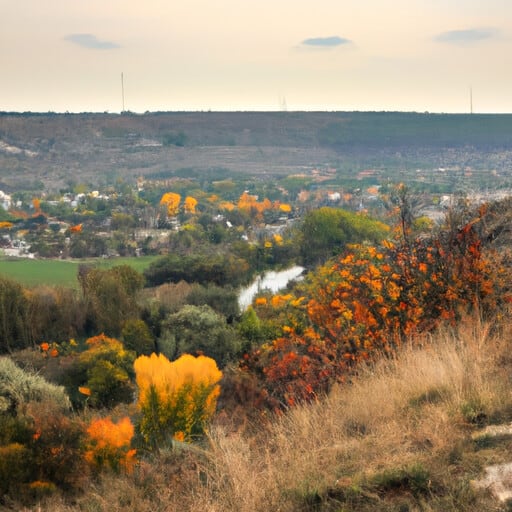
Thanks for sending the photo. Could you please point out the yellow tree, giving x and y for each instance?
(190, 204)
(176, 399)
(246, 202)
(171, 201)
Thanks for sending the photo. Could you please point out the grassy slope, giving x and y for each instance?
(60, 272)
(398, 438)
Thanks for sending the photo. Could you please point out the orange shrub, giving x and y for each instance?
(109, 444)
(367, 302)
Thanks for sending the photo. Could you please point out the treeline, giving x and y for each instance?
(374, 130)
(176, 319)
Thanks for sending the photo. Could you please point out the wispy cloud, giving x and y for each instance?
(91, 41)
(325, 42)
(472, 35)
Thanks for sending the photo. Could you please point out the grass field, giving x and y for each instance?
(60, 272)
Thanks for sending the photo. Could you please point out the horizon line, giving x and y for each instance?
(222, 111)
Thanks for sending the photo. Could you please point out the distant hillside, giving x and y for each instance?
(341, 129)
(49, 150)
(401, 130)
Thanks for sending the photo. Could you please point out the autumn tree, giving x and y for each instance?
(171, 201)
(190, 204)
(110, 296)
(55, 313)
(14, 320)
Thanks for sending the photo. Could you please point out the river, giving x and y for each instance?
(273, 281)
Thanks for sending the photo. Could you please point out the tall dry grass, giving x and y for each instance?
(401, 411)
(415, 410)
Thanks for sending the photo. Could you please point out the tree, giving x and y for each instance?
(325, 233)
(111, 296)
(55, 313)
(19, 387)
(171, 201)
(85, 245)
(190, 204)
(14, 320)
(137, 336)
(199, 330)
(122, 221)
(175, 139)
(218, 269)
(223, 299)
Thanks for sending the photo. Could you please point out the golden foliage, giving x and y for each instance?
(226, 205)
(172, 201)
(176, 398)
(190, 204)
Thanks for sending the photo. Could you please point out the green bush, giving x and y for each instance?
(223, 300)
(102, 375)
(15, 466)
(199, 330)
(137, 336)
(18, 387)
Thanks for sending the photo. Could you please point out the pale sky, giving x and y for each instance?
(406, 55)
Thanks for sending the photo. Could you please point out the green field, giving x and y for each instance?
(32, 273)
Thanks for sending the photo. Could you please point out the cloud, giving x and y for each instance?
(325, 42)
(90, 41)
(472, 35)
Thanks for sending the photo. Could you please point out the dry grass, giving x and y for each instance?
(398, 437)
(413, 409)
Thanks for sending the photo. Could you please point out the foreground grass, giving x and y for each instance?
(32, 272)
(397, 438)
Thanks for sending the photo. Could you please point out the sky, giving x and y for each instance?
(264, 55)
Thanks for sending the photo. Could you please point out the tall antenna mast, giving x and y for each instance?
(122, 90)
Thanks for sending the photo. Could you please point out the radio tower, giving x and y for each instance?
(122, 91)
